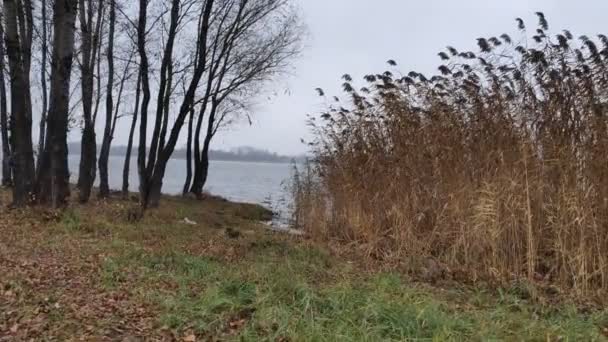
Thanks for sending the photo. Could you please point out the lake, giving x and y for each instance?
(261, 183)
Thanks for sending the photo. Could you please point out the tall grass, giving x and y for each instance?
(496, 167)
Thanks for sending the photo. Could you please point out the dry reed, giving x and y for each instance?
(497, 166)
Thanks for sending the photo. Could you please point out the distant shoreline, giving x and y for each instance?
(297, 160)
(242, 154)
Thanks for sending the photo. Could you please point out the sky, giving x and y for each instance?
(358, 37)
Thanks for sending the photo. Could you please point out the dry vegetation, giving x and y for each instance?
(494, 169)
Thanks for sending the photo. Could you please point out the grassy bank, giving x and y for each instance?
(89, 273)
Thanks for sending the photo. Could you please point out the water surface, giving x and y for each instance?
(260, 183)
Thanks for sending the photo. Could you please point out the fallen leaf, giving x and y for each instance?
(14, 328)
(189, 338)
(237, 324)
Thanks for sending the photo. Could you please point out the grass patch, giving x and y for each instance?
(297, 293)
(159, 277)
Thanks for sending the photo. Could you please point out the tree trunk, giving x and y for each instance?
(203, 166)
(88, 153)
(42, 132)
(203, 169)
(199, 121)
(166, 107)
(161, 122)
(156, 180)
(89, 47)
(155, 191)
(53, 183)
(145, 85)
(18, 43)
(189, 155)
(104, 186)
(6, 148)
(125, 172)
(196, 187)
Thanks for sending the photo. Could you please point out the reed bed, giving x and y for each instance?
(496, 167)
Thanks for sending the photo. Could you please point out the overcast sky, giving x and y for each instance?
(359, 36)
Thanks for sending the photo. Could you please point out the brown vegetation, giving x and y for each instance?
(495, 169)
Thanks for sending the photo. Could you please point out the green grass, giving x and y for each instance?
(300, 294)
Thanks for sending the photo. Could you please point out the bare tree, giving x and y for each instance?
(104, 188)
(90, 26)
(127, 164)
(19, 26)
(145, 87)
(53, 183)
(188, 180)
(239, 43)
(158, 135)
(43, 83)
(258, 44)
(152, 172)
(6, 148)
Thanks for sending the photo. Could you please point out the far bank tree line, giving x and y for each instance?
(238, 154)
(163, 68)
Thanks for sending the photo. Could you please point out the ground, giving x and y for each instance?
(91, 273)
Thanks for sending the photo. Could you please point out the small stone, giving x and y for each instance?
(189, 222)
